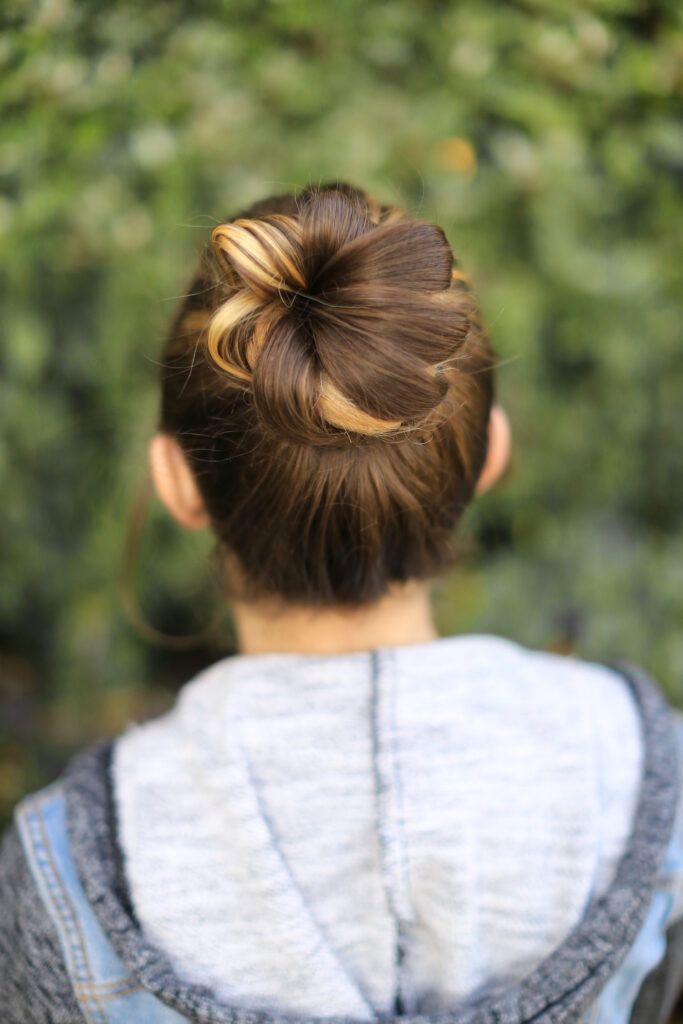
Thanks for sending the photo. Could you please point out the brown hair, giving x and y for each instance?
(330, 382)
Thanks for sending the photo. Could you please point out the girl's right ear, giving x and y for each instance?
(175, 484)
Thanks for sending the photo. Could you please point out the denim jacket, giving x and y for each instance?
(71, 951)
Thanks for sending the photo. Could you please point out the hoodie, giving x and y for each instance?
(75, 869)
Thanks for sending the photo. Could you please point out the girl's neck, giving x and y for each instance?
(402, 616)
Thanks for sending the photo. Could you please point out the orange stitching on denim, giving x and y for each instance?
(98, 990)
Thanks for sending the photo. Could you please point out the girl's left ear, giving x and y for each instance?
(498, 452)
(175, 484)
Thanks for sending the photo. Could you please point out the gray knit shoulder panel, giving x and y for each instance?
(34, 984)
(560, 988)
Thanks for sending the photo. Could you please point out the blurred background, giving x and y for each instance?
(543, 135)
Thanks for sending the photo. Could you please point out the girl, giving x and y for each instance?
(351, 818)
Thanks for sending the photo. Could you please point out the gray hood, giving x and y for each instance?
(559, 989)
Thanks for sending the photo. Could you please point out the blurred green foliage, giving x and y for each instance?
(542, 134)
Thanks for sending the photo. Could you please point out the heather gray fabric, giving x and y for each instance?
(559, 990)
(564, 983)
(470, 795)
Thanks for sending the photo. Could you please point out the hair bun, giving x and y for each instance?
(335, 319)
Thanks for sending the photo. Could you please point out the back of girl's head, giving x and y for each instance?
(330, 383)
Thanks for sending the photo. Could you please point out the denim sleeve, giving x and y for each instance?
(663, 986)
(34, 984)
(674, 865)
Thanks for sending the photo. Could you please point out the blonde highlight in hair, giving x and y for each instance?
(342, 396)
(263, 253)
